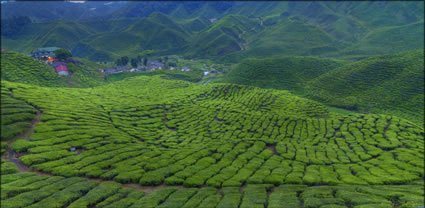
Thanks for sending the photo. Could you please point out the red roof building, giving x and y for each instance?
(61, 68)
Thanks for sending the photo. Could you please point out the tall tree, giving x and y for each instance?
(124, 60)
(118, 62)
(133, 62)
(62, 53)
(145, 61)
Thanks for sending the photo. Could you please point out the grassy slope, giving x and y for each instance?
(20, 68)
(290, 73)
(151, 131)
(16, 115)
(293, 37)
(225, 36)
(391, 84)
(388, 40)
(192, 76)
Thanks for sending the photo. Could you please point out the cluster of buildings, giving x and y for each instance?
(206, 73)
(48, 55)
(151, 65)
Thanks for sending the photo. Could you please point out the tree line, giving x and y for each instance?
(139, 60)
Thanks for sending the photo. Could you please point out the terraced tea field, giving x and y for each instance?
(149, 142)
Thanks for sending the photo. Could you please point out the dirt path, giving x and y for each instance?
(26, 135)
(12, 156)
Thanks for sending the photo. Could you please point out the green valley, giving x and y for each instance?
(212, 104)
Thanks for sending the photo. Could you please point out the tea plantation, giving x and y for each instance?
(32, 190)
(18, 67)
(150, 142)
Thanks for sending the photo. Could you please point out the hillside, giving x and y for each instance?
(20, 68)
(391, 84)
(281, 72)
(149, 132)
(226, 36)
(289, 36)
(265, 104)
(50, 10)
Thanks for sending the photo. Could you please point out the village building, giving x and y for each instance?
(61, 68)
(134, 70)
(154, 65)
(118, 69)
(44, 53)
(185, 68)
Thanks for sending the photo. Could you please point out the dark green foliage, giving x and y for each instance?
(133, 62)
(178, 198)
(8, 168)
(289, 73)
(155, 198)
(62, 54)
(16, 115)
(11, 26)
(231, 198)
(96, 195)
(255, 29)
(391, 84)
(254, 196)
(192, 76)
(31, 190)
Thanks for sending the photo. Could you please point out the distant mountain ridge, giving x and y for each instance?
(226, 31)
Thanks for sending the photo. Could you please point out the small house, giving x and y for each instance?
(110, 71)
(213, 72)
(206, 73)
(61, 68)
(185, 68)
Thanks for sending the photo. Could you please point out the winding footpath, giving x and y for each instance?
(13, 157)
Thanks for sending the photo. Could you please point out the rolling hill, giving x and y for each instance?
(154, 136)
(17, 67)
(391, 84)
(312, 105)
(287, 73)
(227, 35)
